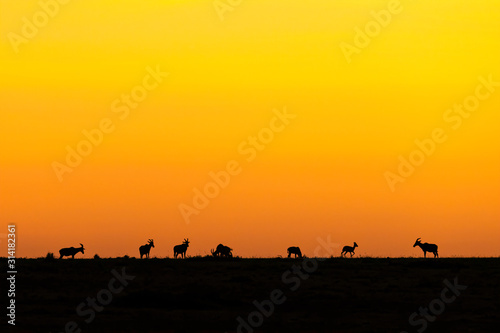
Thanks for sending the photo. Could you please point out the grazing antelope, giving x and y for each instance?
(70, 251)
(222, 251)
(144, 249)
(181, 249)
(349, 249)
(295, 250)
(426, 247)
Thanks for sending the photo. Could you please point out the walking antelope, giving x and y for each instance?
(349, 249)
(70, 251)
(295, 250)
(144, 249)
(222, 251)
(426, 247)
(181, 249)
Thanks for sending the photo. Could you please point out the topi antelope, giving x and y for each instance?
(349, 249)
(144, 249)
(70, 251)
(426, 247)
(181, 249)
(295, 250)
(222, 251)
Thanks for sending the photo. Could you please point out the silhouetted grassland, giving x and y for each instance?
(208, 294)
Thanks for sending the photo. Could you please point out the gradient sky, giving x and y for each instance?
(323, 175)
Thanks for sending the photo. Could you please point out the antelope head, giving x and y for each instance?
(151, 242)
(355, 245)
(417, 242)
(186, 241)
(213, 253)
(82, 247)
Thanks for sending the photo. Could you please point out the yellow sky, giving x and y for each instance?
(324, 174)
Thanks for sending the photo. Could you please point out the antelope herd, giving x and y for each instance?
(222, 251)
(227, 252)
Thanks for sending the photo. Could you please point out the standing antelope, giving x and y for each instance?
(295, 250)
(70, 251)
(349, 249)
(181, 249)
(144, 249)
(222, 251)
(426, 247)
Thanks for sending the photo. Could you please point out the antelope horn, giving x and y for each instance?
(418, 238)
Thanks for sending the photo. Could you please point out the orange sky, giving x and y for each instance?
(182, 88)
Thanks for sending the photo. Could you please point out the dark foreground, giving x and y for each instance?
(208, 295)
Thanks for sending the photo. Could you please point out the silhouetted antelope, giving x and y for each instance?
(295, 250)
(426, 247)
(70, 251)
(144, 249)
(349, 249)
(222, 251)
(181, 249)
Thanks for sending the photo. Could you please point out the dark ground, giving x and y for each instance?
(207, 295)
